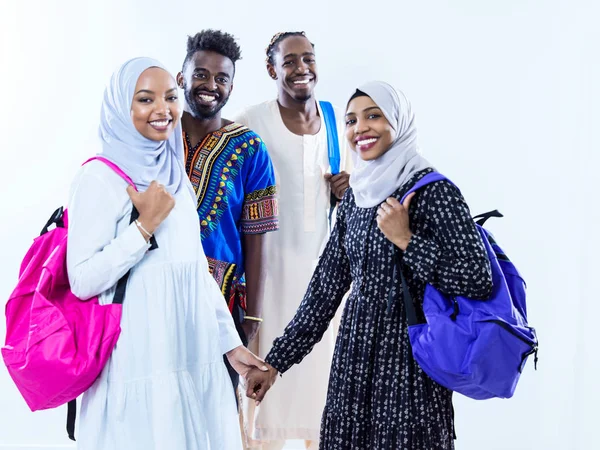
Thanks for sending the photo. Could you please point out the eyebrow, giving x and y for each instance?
(294, 55)
(350, 113)
(147, 91)
(202, 69)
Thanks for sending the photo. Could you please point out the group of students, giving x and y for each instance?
(233, 249)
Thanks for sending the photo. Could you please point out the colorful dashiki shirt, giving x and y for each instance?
(233, 178)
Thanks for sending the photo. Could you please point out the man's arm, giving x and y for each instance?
(253, 245)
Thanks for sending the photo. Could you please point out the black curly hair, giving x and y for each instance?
(277, 38)
(213, 40)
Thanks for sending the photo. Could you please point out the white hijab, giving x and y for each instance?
(374, 181)
(142, 159)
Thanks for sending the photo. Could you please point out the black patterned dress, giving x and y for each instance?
(378, 397)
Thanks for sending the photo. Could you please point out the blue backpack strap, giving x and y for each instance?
(333, 149)
(431, 177)
(333, 145)
(411, 314)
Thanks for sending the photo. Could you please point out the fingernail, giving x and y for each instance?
(265, 368)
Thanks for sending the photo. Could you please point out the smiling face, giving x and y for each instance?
(368, 131)
(295, 68)
(155, 105)
(207, 81)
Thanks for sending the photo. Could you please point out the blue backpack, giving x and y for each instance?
(475, 347)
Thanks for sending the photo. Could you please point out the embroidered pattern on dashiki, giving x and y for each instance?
(213, 171)
(260, 206)
(222, 272)
(225, 275)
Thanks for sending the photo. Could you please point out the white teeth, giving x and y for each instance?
(367, 141)
(160, 123)
(208, 98)
(302, 82)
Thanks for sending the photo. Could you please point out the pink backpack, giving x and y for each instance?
(56, 345)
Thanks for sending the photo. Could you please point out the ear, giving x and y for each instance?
(180, 80)
(271, 71)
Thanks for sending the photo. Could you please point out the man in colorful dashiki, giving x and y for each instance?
(232, 175)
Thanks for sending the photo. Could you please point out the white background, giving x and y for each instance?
(506, 96)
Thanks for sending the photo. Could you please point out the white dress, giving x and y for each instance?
(292, 409)
(165, 385)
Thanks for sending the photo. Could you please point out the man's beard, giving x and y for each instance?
(302, 98)
(200, 111)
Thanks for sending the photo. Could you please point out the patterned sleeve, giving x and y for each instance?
(454, 260)
(259, 213)
(330, 281)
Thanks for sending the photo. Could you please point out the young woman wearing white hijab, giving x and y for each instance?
(165, 385)
(378, 397)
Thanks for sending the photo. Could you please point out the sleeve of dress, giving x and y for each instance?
(454, 260)
(330, 281)
(259, 212)
(228, 335)
(96, 256)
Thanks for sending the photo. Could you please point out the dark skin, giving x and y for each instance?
(253, 246)
(207, 80)
(206, 75)
(294, 69)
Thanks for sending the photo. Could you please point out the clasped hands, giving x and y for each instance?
(258, 382)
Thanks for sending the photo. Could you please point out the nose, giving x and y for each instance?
(360, 127)
(211, 84)
(163, 109)
(302, 68)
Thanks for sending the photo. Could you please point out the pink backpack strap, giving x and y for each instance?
(114, 167)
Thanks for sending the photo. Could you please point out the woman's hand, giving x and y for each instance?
(154, 205)
(259, 382)
(243, 361)
(393, 221)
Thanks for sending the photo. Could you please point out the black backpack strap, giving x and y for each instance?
(71, 414)
(333, 201)
(122, 283)
(117, 299)
(134, 216)
(481, 219)
(56, 218)
(409, 306)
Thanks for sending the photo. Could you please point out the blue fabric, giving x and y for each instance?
(333, 145)
(235, 185)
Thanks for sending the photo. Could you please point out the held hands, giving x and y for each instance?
(154, 205)
(393, 221)
(338, 183)
(243, 361)
(259, 382)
